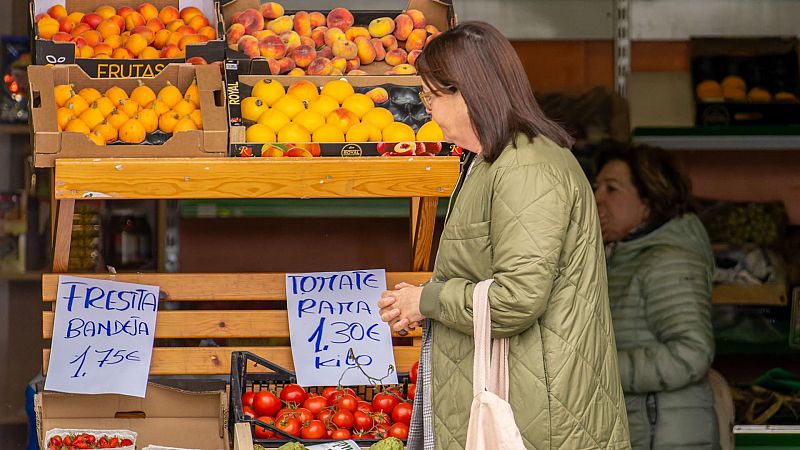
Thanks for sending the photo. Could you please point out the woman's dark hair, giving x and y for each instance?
(474, 58)
(658, 177)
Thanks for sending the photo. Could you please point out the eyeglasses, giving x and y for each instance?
(426, 97)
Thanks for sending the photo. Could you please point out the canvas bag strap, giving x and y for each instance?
(490, 370)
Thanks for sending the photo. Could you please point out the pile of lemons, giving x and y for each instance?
(335, 113)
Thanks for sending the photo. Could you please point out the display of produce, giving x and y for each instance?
(144, 32)
(314, 43)
(760, 224)
(71, 439)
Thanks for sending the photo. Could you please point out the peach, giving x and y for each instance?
(431, 29)
(291, 39)
(413, 55)
(342, 119)
(303, 55)
(378, 95)
(119, 20)
(251, 19)
(148, 11)
(209, 32)
(93, 37)
(272, 47)
(248, 45)
(280, 25)
(186, 29)
(103, 49)
(430, 38)
(332, 35)
(380, 52)
(271, 10)
(85, 52)
(318, 35)
(345, 49)
(65, 24)
(389, 42)
(114, 42)
(416, 40)
(396, 57)
(107, 28)
(235, 17)
(168, 14)
(105, 11)
(57, 11)
(170, 51)
(262, 34)
(92, 19)
(197, 22)
(366, 52)
(76, 17)
(357, 72)
(381, 26)
(189, 12)
(417, 17)
(133, 20)
(147, 53)
(41, 16)
(146, 33)
(61, 37)
(404, 69)
(320, 66)
(78, 29)
(196, 60)
(302, 23)
(403, 26)
(233, 34)
(286, 65)
(306, 40)
(336, 73)
(296, 72)
(352, 64)
(317, 19)
(339, 63)
(195, 38)
(274, 66)
(124, 53)
(325, 52)
(175, 24)
(353, 32)
(136, 43)
(124, 11)
(340, 18)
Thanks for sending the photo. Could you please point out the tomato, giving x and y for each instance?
(347, 402)
(289, 425)
(381, 431)
(293, 393)
(315, 429)
(249, 412)
(262, 432)
(126, 442)
(55, 440)
(384, 402)
(247, 398)
(399, 430)
(329, 392)
(325, 416)
(361, 421)
(305, 415)
(379, 418)
(402, 413)
(414, 372)
(113, 442)
(364, 406)
(412, 391)
(265, 403)
(343, 419)
(361, 434)
(315, 404)
(340, 434)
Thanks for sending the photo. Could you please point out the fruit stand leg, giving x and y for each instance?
(423, 219)
(63, 235)
(242, 439)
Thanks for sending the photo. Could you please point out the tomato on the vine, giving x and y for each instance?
(247, 398)
(289, 425)
(347, 402)
(385, 402)
(364, 406)
(340, 434)
(262, 432)
(249, 412)
(315, 403)
(343, 419)
(412, 391)
(402, 413)
(265, 403)
(379, 418)
(294, 393)
(362, 421)
(414, 372)
(325, 416)
(399, 430)
(315, 429)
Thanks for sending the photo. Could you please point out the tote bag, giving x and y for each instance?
(491, 420)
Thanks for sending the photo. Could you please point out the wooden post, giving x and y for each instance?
(63, 237)
(422, 243)
(242, 437)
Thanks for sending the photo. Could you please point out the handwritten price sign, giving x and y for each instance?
(336, 330)
(102, 337)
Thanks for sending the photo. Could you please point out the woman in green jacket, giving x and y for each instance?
(659, 280)
(523, 214)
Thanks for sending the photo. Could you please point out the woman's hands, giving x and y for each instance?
(400, 307)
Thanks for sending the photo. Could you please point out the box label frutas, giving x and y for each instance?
(129, 70)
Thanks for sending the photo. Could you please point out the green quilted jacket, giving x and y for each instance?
(660, 292)
(529, 221)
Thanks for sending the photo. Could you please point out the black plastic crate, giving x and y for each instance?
(243, 380)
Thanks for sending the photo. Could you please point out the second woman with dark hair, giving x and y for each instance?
(522, 214)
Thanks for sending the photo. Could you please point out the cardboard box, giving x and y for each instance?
(166, 416)
(768, 63)
(239, 87)
(437, 13)
(49, 52)
(50, 144)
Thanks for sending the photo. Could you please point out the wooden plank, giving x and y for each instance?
(242, 437)
(213, 324)
(217, 360)
(214, 286)
(421, 250)
(158, 178)
(63, 238)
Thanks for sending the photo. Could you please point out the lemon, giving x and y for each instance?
(363, 132)
(380, 117)
(292, 132)
(259, 133)
(289, 105)
(268, 90)
(274, 119)
(324, 104)
(338, 89)
(328, 133)
(430, 132)
(398, 132)
(309, 119)
(359, 104)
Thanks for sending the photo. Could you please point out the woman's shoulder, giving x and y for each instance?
(537, 151)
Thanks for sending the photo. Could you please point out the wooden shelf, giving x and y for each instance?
(181, 178)
(15, 128)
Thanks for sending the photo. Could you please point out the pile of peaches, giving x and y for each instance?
(127, 33)
(313, 44)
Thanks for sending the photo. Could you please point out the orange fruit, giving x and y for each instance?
(167, 122)
(338, 89)
(270, 91)
(148, 118)
(132, 132)
(398, 132)
(185, 124)
(184, 108)
(252, 108)
(78, 104)
(63, 116)
(117, 118)
(259, 133)
(192, 94)
(97, 138)
(63, 93)
(197, 118)
(108, 132)
(303, 90)
(115, 94)
(170, 95)
(143, 95)
(430, 132)
(77, 126)
(90, 94)
(92, 117)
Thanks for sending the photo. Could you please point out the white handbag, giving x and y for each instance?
(491, 420)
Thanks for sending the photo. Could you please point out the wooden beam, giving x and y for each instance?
(423, 242)
(63, 238)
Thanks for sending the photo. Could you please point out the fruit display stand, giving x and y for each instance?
(422, 179)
